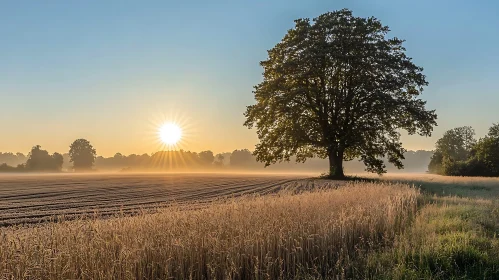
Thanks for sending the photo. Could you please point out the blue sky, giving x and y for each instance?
(111, 71)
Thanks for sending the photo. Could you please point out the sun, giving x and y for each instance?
(170, 133)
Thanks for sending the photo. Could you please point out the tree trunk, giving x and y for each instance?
(336, 165)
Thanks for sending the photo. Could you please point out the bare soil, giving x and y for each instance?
(39, 198)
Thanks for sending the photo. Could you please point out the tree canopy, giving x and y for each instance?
(82, 154)
(458, 153)
(41, 160)
(206, 157)
(241, 158)
(336, 87)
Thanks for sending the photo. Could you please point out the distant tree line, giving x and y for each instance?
(37, 160)
(178, 160)
(12, 159)
(459, 153)
(82, 157)
(238, 160)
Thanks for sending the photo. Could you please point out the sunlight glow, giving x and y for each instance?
(170, 133)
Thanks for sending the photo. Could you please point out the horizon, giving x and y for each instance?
(158, 151)
(115, 71)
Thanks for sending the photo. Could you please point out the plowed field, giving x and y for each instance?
(38, 198)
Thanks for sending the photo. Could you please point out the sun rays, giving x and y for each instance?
(171, 134)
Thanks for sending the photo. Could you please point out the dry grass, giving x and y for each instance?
(449, 180)
(320, 234)
(476, 187)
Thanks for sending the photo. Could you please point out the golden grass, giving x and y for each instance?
(322, 233)
(475, 187)
(448, 180)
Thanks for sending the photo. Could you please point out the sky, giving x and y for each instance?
(113, 71)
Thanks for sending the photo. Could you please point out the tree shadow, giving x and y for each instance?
(350, 178)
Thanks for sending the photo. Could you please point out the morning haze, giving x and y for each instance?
(249, 140)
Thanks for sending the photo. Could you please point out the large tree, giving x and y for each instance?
(338, 88)
(82, 155)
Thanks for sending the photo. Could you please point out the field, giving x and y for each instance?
(37, 198)
(227, 226)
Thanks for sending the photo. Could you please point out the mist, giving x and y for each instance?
(205, 161)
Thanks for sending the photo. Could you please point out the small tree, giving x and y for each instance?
(241, 158)
(338, 88)
(219, 160)
(494, 131)
(57, 161)
(486, 151)
(435, 165)
(206, 157)
(41, 160)
(82, 155)
(457, 143)
(459, 154)
(454, 146)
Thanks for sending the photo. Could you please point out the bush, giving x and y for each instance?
(470, 167)
(453, 168)
(435, 165)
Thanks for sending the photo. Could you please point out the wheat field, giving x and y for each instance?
(316, 232)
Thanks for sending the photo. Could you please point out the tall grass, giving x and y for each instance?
(320, 234)
(451, 238)
(476, 187)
